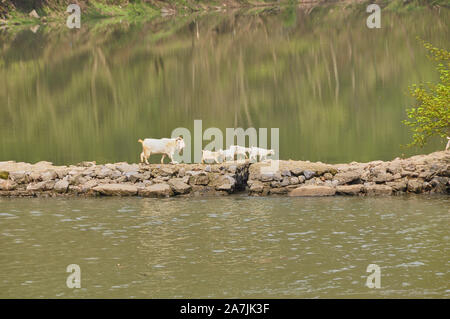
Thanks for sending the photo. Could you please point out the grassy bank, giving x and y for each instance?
(19, 12)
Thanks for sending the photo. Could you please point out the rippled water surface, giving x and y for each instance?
(225, 247)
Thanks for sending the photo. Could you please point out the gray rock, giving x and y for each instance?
(179, 186)
(257, 187)
(116, 189)
(286, 172)
(349, 189)
(398, 186)
(415, 186)
(156, 190)
(19, 177)
(61, 186)
(224, 183)
(125, 167)
(41, 186)
(199, 179)
(313, 191)
(267, 177)
(7, 185)
(294, 180)
(308, 174)
(181, 172)
(285, 181)
(296, 171)
(88, 185)
(275, 184)
(278, 191)
(134, 176)
(374, 190)
(348, 177)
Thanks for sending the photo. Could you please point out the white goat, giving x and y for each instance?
(228, 154)
(263, 153)
(211, 156)
(240, 150)
(165, 146)
(448, 144)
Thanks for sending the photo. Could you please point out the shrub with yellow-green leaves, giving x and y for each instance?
(431, 115)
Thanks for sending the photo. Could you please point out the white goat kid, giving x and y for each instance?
(240, 151)
(211, 156)
(263, 153)
(165, 146)
(228, 155)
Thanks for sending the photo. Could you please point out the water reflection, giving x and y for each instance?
(336, 89)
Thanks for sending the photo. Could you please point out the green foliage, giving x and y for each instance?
(431, 116)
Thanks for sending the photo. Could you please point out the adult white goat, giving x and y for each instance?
(165, 146)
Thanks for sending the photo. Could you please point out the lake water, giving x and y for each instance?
(226, 247)
(336, 89)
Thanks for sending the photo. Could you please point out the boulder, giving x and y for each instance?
(134, 176)
(257, 187)
(279, 190)
(7, 185)
(308, 174)
(116, 189)
(286, 172)
(179, 186)
(398, 185)
(199, 179)
(415, 186)
(349, 189)
(267, 177)
(285, 182)
(125, 167)
(383, 178)
(313, 191)
(224, 183)
(156, 190)
(439, 184)
(296, 171)
(348, 177)
(88, 185)
(19, 176)
(374, 190)
(61, 186)
(41, 186)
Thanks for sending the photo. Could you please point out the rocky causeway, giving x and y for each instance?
(420, 174)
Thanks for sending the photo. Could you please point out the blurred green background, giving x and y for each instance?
(336, 89)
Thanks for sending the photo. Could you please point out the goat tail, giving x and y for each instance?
(140, 141)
